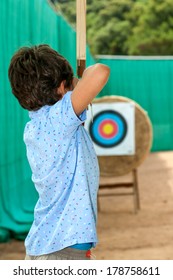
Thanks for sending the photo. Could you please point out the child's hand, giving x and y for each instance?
(75, 81)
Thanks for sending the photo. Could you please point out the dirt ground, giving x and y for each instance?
(124, 235)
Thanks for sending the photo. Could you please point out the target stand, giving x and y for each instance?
(122, 141)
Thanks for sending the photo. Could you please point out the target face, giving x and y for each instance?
(108, 129)
(112, 128)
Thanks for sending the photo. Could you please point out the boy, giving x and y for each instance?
(59, 150)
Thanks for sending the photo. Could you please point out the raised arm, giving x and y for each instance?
(93, 80)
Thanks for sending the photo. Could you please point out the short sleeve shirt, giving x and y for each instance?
(66, 176)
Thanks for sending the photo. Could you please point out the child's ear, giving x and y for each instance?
(61, 89)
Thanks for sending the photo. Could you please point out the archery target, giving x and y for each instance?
(112, 128)
(108, 128)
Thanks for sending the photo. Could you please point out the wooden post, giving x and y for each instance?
(81, 36)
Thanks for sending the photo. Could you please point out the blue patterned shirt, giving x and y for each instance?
(66, 176)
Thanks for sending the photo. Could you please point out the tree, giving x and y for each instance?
(108, 31)
(153, 33)
(126, 27)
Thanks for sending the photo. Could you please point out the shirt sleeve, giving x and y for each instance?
(63, 115)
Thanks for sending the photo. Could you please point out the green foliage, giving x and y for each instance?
(126, 27)
(153, 32)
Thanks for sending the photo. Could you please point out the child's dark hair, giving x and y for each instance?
(35, 73)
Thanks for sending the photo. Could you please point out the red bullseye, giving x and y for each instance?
(108, 129)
